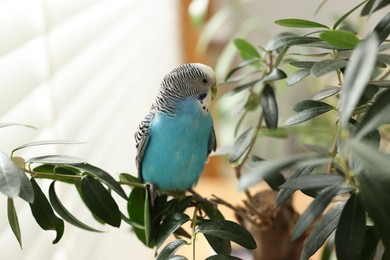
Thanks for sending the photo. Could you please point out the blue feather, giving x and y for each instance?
(178, 147)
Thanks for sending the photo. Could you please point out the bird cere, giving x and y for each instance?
(175, 138)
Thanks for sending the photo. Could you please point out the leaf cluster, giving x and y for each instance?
(93, 184)
(352, 169)
(154, 223)
(154, 216)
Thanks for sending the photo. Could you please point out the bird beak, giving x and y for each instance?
(213, 92)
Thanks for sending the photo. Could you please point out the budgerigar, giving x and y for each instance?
(175, 138)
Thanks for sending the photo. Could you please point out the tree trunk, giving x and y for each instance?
(271, 227)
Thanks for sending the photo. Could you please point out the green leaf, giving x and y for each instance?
(377, 115)
(13, 220)
(241, 66)
(285, 194)
(99, 201)
(371, 240)
(382, 29)
(228, 230)
(26, 189)
(374, 185)
(11, 176)
(261, 169)
(372, 159)
(219, 245)
(169, 225)
(374, 5)
(307, 110)
(372, 139)
(244, 86)
(340, 39)
(368, 94)
(63, 212)
(303, 64)
(43, 213)
(222, 257)
(63, 173)
(276, 74)
(322, 45)
(128, 178)
(273, 180)
(103, 176)
(55, 159)
(289, 40)
(212, 211)
(241, 145)
(351, 229)
(170, 249)
(383, 58)
(315, 209)
(280, 58)
(299, 23)
(325, 66)
(270, 107)
(138, 209)
(325, 93)
(242, 76)
(46, 142)
(181, 232)
(247, 50)
(297, 76)
(307, 104)
(342, 18)
(313, 182)
(179, 204)
(322, 231)
(357, 74)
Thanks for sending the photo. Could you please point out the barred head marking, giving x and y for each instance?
(193, 80)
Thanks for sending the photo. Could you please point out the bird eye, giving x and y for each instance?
(205, 81)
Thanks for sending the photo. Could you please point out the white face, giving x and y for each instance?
(204, 104)
(211, 84)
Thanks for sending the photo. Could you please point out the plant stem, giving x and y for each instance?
(193, 226)
(384, 74)
(333, 153)
(51, 175)
(237, 211)
(237, 168)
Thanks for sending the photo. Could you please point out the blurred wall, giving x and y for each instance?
(81, 70)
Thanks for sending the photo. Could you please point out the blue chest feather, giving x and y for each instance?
(177, 150)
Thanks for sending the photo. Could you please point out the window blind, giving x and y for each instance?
(81, 70)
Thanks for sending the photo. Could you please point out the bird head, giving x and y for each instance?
(192, 80)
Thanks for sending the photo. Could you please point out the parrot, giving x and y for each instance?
(176, 136)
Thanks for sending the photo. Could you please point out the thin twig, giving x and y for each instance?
(238, 211)
(193, 226)
(48, 174)
(384, 74)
